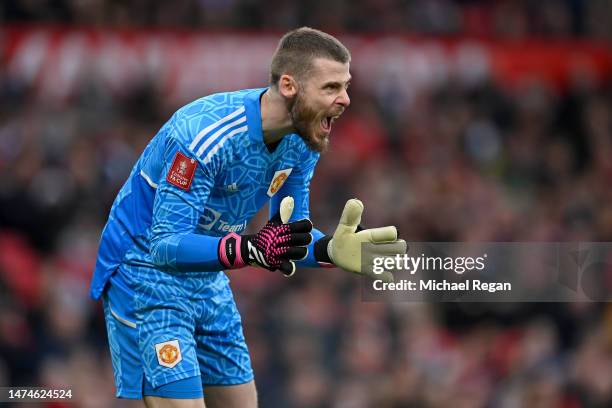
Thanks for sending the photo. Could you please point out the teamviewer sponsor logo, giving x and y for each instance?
(211, 220)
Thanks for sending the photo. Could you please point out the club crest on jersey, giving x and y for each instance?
(168, 353)
(182, 171)
(280, 176)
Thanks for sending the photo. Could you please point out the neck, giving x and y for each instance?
(275, 118)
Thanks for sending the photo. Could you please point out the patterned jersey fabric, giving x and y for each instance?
(204, 175)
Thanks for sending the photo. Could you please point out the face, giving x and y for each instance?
(319, 100)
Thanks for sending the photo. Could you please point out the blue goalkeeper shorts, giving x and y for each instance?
(171, 335)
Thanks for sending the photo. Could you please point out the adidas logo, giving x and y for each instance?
(231, 188)
(256, 255)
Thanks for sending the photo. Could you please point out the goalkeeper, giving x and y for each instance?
(174, 331)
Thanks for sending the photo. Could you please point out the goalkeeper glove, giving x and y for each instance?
(344, 249)
(276, 246)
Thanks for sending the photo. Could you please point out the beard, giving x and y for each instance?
(307, 123)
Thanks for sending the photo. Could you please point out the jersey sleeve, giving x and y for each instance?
(298, 187)
(183, 189)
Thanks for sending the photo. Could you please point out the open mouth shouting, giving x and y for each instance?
(326, 123)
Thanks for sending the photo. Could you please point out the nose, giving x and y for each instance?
(343, 99)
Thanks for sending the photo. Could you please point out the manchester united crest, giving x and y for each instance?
(168, 353)
(278, 180)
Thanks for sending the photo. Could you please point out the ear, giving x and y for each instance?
(287, 86)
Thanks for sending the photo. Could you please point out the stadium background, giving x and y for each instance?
(470, 121)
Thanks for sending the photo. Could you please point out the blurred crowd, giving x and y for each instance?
(453, 162)
(510, 19)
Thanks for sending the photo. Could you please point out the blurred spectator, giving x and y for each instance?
(510, 19)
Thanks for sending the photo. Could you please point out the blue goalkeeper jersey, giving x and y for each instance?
(204, 175)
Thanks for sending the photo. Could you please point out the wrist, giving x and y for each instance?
(322, 250)
(230, 251)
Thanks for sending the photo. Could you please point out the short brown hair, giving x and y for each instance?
(298, 48)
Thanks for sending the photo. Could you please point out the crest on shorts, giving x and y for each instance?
(168, 353)
(278, 180)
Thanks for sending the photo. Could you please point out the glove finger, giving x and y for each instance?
(296, 253)
(286, 209)
(300, 226)
(391, 248)
(386, 276)
(380, 235)
(368, 270)
(287, 268)
(300, 239)
(350, 218)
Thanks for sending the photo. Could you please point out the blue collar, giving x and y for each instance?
(252, 105)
